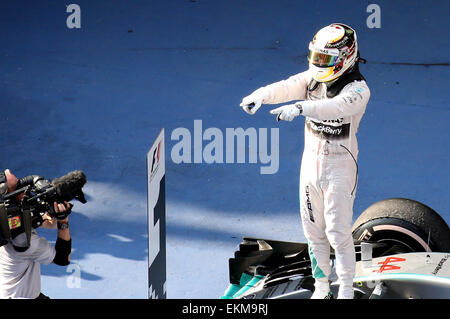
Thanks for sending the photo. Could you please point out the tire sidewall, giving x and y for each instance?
(395, 231)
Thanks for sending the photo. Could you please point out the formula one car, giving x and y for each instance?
(402, 251)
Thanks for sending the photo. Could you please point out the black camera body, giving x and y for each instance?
(23, 209)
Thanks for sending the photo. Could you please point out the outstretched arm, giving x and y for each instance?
(293, 88)
(352, 100)
(63, 244)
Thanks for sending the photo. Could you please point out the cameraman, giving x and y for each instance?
(20, 273)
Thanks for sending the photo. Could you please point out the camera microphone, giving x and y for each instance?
(69, 186)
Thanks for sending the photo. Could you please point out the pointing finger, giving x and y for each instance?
(278, 110)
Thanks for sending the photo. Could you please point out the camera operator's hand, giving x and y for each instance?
(61, 208)
(11, 181)
(50, 222)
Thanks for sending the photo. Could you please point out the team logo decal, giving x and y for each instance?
(155, 159)
(14, 222)
(386, 264)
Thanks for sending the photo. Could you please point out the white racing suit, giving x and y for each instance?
(328, 174)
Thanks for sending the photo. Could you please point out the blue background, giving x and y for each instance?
(95, 98)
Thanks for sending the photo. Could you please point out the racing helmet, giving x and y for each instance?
(333, 51)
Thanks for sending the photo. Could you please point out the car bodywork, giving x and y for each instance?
(263, 268)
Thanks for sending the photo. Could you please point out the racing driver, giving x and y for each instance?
(332, 95)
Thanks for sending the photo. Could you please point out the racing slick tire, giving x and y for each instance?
(406, 223)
